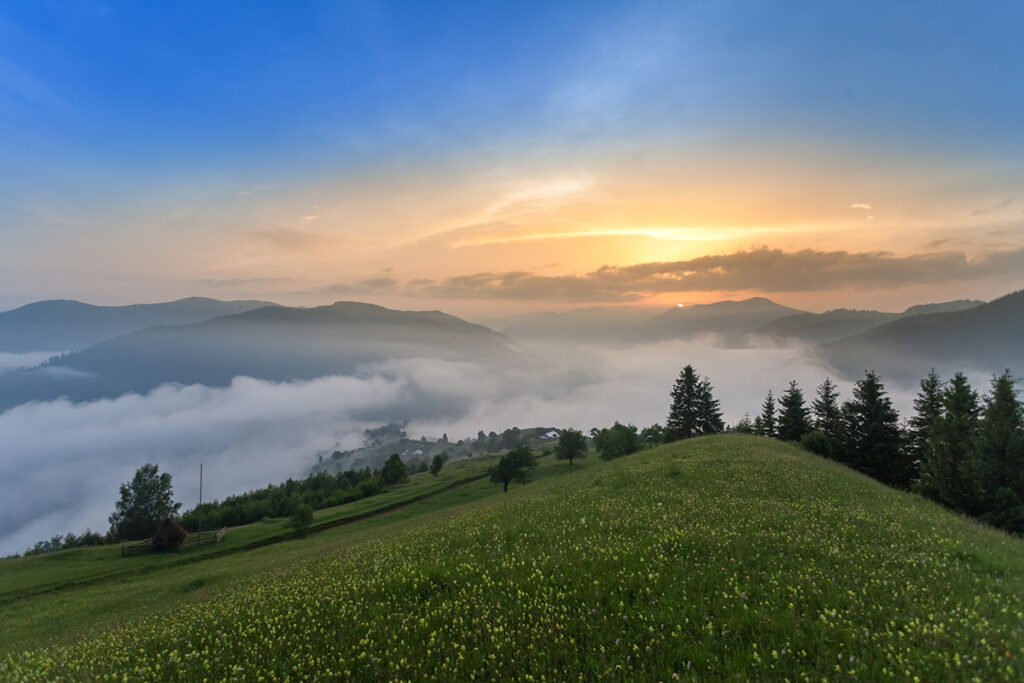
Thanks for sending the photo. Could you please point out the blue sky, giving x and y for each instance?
(206, 131)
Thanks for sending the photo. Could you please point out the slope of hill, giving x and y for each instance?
(730, 319)
(64, 325)
(985, 338)
(273, 343)
(724, 558)
(579, 325)
(944, 307)
(825, 327)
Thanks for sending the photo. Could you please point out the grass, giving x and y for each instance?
(52, 599)
(53, 571)
(719, 558)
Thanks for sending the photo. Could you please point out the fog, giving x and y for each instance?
(11, 361)
(62, 463)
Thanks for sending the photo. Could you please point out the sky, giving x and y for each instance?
(496, 157)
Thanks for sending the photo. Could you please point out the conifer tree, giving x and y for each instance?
(694, 410)
(827, 415)
(745, 425)
(709, 413)
(872, 439)
(999, 460)
(768, 416)
(683, 413)
(946, 475)
(794, 420)
(927, 410)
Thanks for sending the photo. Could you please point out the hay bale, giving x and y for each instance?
(169, 536)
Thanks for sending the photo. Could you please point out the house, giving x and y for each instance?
(553, 434)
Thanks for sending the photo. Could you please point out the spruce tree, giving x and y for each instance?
(999, 459)
(794, 420)
(872, 440)
(683, 413)
(694, 410)
(768, 416)
(827, 415)
(709, 413)
(745, 425)
(946, 475)
(927, 410)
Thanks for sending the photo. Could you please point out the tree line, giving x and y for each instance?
(960, 449)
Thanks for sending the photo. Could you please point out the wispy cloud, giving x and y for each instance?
(861, 205)
(373, 285)
(981, 211)
(763, 269)
(289, 238)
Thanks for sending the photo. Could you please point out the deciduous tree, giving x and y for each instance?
(571, 445)
(145, 502)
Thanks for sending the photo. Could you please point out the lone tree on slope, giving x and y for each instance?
(571, 445)
(394, 470)
(436, 464)
(145, 502)
(517, 465)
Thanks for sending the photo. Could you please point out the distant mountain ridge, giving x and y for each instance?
(274, 343)
(65, 324)
(981, 338)
(732, 320)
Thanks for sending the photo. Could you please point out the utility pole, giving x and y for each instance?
(199, 514)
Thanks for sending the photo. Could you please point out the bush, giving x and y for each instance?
(820, 443)
(300, 519)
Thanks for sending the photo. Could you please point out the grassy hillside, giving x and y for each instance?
(723, 557)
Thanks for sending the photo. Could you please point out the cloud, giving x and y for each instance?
(245, 281)
(373, 285)
(762, 269)
(289, 238)
(981, 211)
(72, 458)
(859, 205)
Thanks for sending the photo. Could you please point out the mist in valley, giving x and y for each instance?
(64, 461)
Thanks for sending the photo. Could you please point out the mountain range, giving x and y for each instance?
(274, 343)
(985, 338)
(279, 343)
(65, 325)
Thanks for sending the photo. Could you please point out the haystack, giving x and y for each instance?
(169, 536)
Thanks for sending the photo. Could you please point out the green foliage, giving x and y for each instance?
(144, 503)
(300, 519)
(1000, 448)
(394, 470)
(745, 425)
(694, 409)
(927, 411)
(758, 562)
(571, 445)
(946, 474)
(873, 443)
(827, 414)
(436, 464)
(517, 465)
(794, 418)
(652, 436)
(819, 443)
(616, 441)
(768, 423)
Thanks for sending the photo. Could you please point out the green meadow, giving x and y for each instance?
(723, 557)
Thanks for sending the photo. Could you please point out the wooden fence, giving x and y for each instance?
(143, 547)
